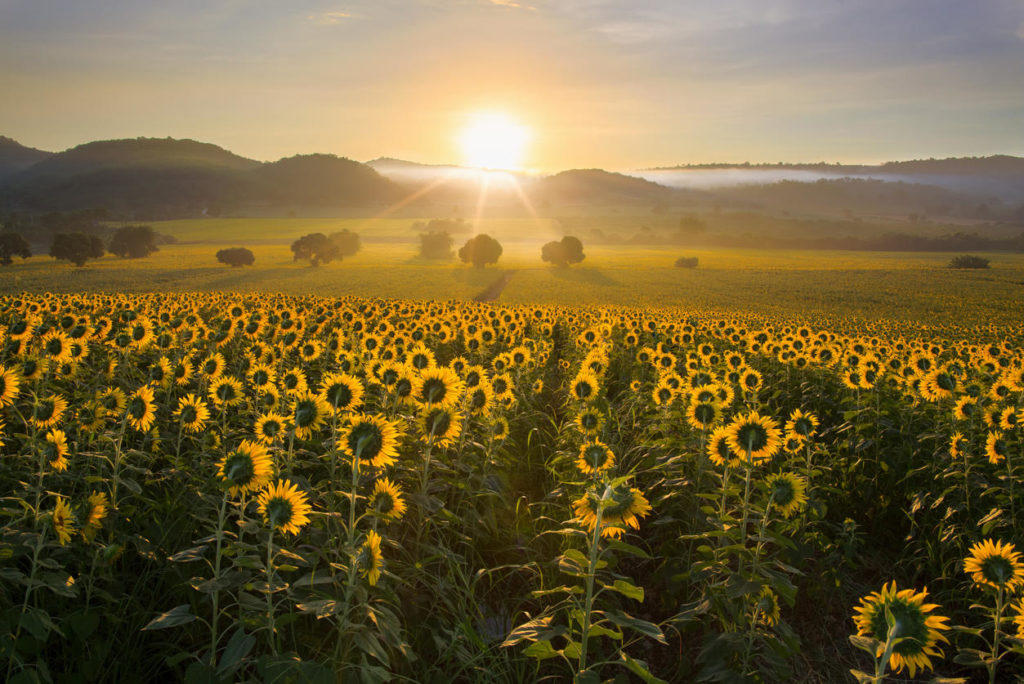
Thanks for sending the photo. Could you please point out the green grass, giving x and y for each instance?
(821, 286)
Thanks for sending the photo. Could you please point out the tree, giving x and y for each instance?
(12, 245)
(686, 262)
(436, 245)
(316, 248)
(133, 242)
(348, 243)
(76, 247)
(568, 251)
(236, 256)
(480, 250)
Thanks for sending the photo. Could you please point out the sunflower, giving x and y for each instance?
(663, 394)
(441, 426)
(141, 411)
(213, 366)
(499, 429)
(371, 439)
(620, 506)
(386, 501)
(766, 607)
(917, 631)
(342, 392)
(1010, 418)
(261, 375)
(270, 427)
(47, 411)
(63, 521)
(9, 385)
(538, 386)
(181, 372)
(995, 565)
(754, 436)
(191, 413)
(370, 558)
(787, 493)
(480, 399)
(703, 415)
(595, 457)
(439, 386)
(502, 385)
(56, 346)
(283, 506)
(584, 386)
(226, 391)
(996, 447)
(718, 447)
(308, 414)
(245, 469)
(1018, 619)
(751, 380)
(293, 382)
(95, 512)
(56, 450)
(590, 421)
(803, 424)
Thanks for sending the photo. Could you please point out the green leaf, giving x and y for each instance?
(627, 589)
(866, 644)
(534, 630)
(179, 615)
(617, 545)
(643, 626)
(239, 646)
(201, 673)
(639, 668)
(540, 650)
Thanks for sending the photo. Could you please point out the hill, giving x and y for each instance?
(15, 157)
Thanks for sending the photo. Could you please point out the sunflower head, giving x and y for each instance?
(619, 505)
(919, 631)
(386, 501)
(440, 426)
(755, 436)
(371, 439)
(995, 564)
(284, 507)
(245, 469)
(63, 521)
(371, 560)
(95, 512)
(766, 607)
(787, 492)
(595, 457)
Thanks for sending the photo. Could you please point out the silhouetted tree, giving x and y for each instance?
(686, 262)
(133, 242)
(236, 256)
(12, 245)
(76, 247)
(436, 245)
(969, 261)
(316, 248)
(562, 253)
(481, 250)
(348, 243)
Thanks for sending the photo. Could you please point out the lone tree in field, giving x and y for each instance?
(561, 254)
(436, 245)
(236, 256)
(12, 245)
(133, 242)
(316, 248)
(348, 243)
(480, 250)
(969, 261)
(76, 247)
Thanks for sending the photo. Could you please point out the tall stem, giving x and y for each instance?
(591, 571)
(270, 593)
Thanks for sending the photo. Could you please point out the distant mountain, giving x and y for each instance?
(15, 157)
(159, 178)
(586, 186)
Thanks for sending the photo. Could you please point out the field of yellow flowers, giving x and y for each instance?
(222, 487)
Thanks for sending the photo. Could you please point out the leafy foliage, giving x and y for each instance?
(133, 242)
(568, 250)
(76, 247)
(12, 245)
(236, 256)
(480, 250)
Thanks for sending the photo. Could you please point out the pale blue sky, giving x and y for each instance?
(600, 83)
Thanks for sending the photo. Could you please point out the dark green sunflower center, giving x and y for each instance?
(752, 436)
(366, 440)
(910, 624)
(339, 395)
(279, 511)
(239, 469)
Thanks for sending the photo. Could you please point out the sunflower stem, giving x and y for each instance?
(221, 514)
(588, 603)
(997, 623)
(270, 592)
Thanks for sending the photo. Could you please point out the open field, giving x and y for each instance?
(817, 285)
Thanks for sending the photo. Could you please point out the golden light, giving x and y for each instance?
(493, 141)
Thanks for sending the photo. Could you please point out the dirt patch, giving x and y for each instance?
(494, 290)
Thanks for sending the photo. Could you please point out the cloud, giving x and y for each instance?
(329, 18)
(1020, 31)
(513, 4)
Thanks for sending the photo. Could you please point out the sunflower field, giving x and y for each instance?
(219, 487)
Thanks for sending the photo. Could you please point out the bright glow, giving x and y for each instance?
(493, 141)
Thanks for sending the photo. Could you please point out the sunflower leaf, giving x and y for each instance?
(179, 615)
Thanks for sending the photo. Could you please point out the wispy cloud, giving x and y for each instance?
(513, 4)
(329, 18)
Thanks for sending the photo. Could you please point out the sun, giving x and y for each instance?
(493, 140)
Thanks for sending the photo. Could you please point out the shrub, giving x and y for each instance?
(436, 245)
(236, 256)
(968, 261)
(568, 251)
(76, 247)
(348, 243)
(133, 242)
(12, 245)
(481, 250)
(686, 262)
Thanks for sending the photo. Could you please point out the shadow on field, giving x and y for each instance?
(590, 276)
(235, 278)
(478, 277)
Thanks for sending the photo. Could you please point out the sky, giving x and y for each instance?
(615, 84)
